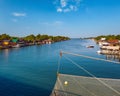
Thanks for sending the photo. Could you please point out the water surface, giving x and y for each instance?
(31, 71)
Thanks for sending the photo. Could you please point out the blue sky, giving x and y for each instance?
(73, 18)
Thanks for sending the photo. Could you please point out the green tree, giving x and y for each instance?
(108, 37)
(118, 37)
(30, 38)
(44, 37)
(38, 37)
(4, 37)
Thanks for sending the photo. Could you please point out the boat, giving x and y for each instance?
(99, 52)
(16, 46)
(90, 46)
(21, 44)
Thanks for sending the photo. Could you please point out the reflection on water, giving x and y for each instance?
(113, 57)
(6, 53)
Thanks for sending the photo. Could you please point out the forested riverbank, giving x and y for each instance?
(7, 41)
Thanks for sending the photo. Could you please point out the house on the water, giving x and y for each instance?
(110, 47)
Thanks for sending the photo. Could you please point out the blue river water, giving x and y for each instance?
(31, 71)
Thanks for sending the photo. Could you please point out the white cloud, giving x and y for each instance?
(16, 14)
(71, 7)
(58, 23)
(78, 1)
(59, 10)
(55, 23)
(67, 5)
(67, 10)
(63, 3)
(74, 8)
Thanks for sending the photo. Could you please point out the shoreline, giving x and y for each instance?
(26, 45)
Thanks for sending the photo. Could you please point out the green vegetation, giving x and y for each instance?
(45, 37)
(108, 37)
(29, 38)
(4, 36)
(32, 37)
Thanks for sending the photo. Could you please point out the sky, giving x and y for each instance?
(72, 18)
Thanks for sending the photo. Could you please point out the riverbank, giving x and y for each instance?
(7, 41)
(24, 44)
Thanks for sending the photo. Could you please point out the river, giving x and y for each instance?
(31, 71)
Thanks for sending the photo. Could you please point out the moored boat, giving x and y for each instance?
(16, 46)
(90, 46)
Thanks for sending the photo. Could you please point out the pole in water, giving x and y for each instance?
(60, 53)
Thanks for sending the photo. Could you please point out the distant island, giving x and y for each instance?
(108, 37)
(7, 41)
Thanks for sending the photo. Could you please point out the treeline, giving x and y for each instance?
(108, 37)
(32, 37)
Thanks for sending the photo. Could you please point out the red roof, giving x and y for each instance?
(113, 41)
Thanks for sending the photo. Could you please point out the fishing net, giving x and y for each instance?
(71, 85)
